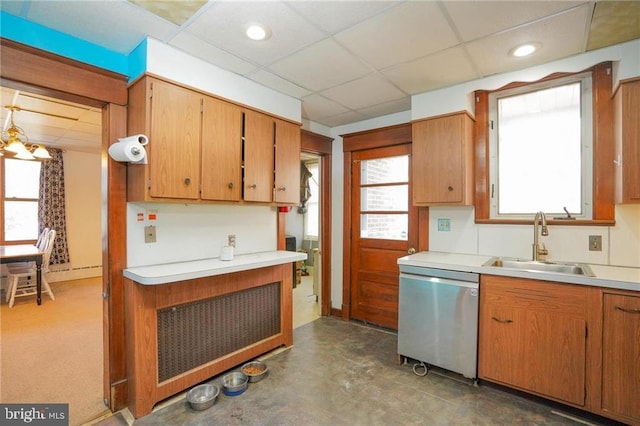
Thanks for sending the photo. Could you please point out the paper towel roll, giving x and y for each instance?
(131, 151)
(141, 139)
(226, 253)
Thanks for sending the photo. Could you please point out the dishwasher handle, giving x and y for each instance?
(437, 280)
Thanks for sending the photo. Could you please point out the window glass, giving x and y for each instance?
(20, 205)
(541, 150)
(384, 198)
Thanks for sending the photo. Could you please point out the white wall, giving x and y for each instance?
(83, 190)
(197, 231)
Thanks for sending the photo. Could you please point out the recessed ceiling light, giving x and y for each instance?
(258, 32)
(524, 49)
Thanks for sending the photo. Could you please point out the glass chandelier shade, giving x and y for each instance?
(15, 142)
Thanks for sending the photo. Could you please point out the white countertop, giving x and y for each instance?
(180, 271)
(617, 277)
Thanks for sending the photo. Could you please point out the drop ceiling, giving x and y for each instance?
(348, 61)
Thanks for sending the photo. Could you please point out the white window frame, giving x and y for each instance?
(586, 145)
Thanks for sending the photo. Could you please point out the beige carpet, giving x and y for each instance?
(53, 352)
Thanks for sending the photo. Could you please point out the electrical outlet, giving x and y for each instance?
(232, 240)
(444, 225)
(150, 234)
(595, 242)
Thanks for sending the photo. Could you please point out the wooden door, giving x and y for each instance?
(174, 143)
(384, 226)
(621, 356)
(258, 156)
(221, 150)
(287, 163)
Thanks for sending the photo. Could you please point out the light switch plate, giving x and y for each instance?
(150, 234)
(444, 225)
(595, 242)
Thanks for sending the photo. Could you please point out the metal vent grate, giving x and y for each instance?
(196, 333)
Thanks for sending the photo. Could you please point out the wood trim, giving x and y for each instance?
(603, 152)
(315, 143)
(604, 145)
(346, 240)
(26, 68)
(46, 73)
(114, 256)
(325, 234)
(377, 138)
(423, 228)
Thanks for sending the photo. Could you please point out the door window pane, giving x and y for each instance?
(394, 198)
(384, 226)
(385, 170)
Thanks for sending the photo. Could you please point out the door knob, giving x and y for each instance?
(411, 250)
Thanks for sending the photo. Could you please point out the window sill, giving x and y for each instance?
(576, 222)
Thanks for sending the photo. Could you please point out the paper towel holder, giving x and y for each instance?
(130, 146)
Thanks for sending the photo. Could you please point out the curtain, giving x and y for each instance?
(51, 206)
(305, 188)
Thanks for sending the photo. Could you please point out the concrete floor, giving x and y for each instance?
(344, 373)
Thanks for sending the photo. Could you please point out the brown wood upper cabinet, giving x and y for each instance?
(442, 160)
(627, 135)
(202, 148)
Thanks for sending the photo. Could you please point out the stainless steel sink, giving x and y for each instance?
(530, 265)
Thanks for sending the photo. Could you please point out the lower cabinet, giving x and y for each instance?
(621, 356)
(575, 344)
(533, 337)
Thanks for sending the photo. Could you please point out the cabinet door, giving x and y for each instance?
(258, 156)
(621, 356)
(174, 159)
(221, 150)
(441, 160)
(287, 166)
(533, 336)
(627, 135)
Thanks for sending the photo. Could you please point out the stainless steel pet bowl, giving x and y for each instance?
(202, 397)
(234, 383)
(255, 370)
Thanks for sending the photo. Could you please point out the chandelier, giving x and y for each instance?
(15, 143)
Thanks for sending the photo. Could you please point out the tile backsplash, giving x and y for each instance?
(620, 243)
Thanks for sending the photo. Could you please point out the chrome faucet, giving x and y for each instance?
(539, 253)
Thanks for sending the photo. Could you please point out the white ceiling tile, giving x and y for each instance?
(273, 81)
(369, 90)
(438, 70)
(561, 36)
(223, 25)
(334, 16)
(319, 66)
(212, 54)
(318, 106)
(407, 31)
(386, 108)
(474, 19)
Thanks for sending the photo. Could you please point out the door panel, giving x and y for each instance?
(384, 225)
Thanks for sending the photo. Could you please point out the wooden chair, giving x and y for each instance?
(22, 279)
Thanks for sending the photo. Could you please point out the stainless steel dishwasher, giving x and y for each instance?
(438, 318)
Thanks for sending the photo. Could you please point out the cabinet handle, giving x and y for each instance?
(627, 310)
(230, 185)
(253, 186)
(187, 181)
(502, 321)
(282, 188)
(450, 188)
